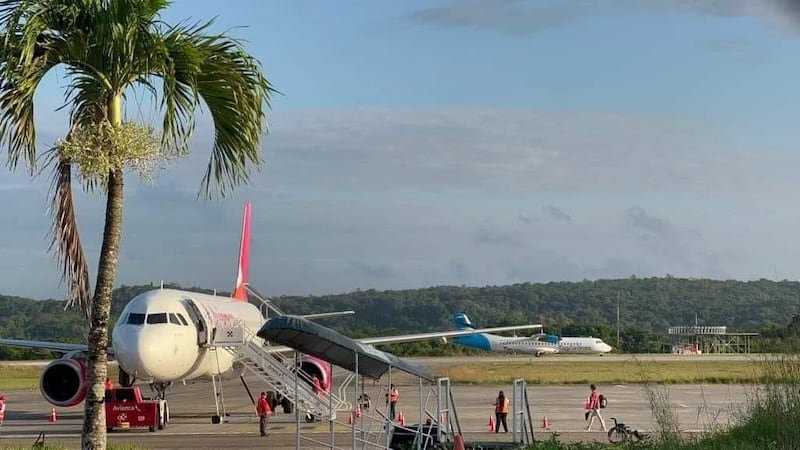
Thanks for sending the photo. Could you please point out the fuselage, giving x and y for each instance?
(496, 343)
(162, 335)
(582, 345)
(534, 344)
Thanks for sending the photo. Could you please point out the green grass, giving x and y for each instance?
(567, 372)
(26, 378)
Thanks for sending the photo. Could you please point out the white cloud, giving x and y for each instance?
(384, 198)
(531, 16)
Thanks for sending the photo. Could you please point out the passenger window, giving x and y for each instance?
(183, 321)
(135, 319)
(157, 318)
(173, 318)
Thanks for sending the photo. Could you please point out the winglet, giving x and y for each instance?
(239, 292)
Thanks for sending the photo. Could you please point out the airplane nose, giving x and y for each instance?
(157, 356)
(145, 353)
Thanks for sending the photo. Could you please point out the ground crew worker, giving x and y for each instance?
(263, 410)
(316, 384)
(500, 412)
(593, 405)
(391, 398)
(2, 409)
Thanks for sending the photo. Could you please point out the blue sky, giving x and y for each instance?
(475, 142)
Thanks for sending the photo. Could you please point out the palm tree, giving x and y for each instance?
(107, 48)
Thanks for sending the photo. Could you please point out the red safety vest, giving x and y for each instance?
(394, 395)
(262, 407)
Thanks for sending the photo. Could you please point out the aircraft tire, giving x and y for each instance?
(215, 419)
(125, 379)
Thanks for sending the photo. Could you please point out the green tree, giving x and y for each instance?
(107, 48)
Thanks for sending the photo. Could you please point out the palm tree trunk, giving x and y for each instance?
(94, 422)
(94, 419)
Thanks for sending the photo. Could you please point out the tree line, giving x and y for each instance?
(647, 307)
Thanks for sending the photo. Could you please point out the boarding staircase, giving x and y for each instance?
(278, 372)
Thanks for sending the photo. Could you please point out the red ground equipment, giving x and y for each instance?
(126, 408)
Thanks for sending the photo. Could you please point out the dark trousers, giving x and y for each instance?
(500, 417)
(392, 406)
(262, 425)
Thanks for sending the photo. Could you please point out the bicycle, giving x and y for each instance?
(620, 433)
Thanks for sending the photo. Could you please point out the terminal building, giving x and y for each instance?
(701, 339)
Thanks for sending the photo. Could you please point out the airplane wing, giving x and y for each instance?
(49, 346)
(440, 334)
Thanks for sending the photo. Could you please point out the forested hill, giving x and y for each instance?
(652, 304)
(647, 306)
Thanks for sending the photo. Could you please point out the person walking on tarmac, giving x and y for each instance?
(2, 409)
(263, 410)
(391, 398)
(500, 412)
(593, 406)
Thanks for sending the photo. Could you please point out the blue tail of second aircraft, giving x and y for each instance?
(462, 321)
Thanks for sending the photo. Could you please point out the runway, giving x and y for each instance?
(696, 408)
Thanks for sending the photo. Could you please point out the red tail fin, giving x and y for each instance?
(239, 292)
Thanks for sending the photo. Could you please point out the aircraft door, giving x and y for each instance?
(200, 321)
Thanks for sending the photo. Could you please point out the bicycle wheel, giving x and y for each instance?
(617, 436)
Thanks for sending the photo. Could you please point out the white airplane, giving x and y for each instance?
(496, 343)
(161, 338)
(585, 345)
(537, 344)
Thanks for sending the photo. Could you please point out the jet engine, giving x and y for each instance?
(63, 382)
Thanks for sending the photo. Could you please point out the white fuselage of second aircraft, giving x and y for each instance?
(161, 335)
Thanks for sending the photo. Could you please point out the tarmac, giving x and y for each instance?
(554, 410)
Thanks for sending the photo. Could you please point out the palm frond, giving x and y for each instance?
(64, 234)
(230, 82)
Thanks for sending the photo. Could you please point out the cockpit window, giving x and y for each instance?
(157, 318)
(173, 318)
(135, 319)
(183, 321)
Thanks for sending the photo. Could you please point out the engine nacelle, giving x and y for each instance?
(63, 382)
(318, 367)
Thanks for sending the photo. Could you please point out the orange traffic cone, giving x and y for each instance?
(491, 424)
(401, 419)
(52, 414)
(458, 442)
(545, 423)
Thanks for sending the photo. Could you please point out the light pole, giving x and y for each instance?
(619, 300)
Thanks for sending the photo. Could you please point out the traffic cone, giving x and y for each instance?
(350, 419)
(491, 424)
(401, 419)
(52, 414)
(545, 423)
(458, 442)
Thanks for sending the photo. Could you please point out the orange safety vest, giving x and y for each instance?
(393, 395)
(501, 407)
